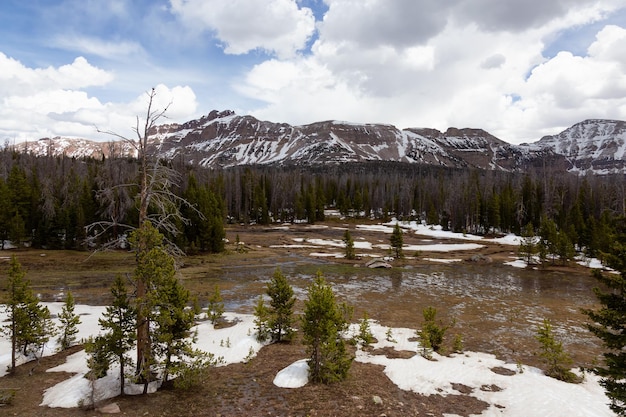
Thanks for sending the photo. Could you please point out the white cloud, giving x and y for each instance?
(276, 26)
(444, 66)
(98, 47)
(15, 78)
(53, 101)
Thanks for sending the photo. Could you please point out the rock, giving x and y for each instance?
(377, 400)
(111, 408)
(480, 259)
(377, 263)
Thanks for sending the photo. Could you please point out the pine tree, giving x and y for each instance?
(528, 246)
(349, 243)
(365, 332)
(98, 358)
(173, 323)
(281, 307)
(553, 354)
(69, 322)
(30, 325)
(261, 314)
(323, 323)
(609, 321)
(548, 239)
(432, 333)
(118, 323)
(215, 308)
(397, 241)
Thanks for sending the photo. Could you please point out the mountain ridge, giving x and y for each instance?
(223, 139)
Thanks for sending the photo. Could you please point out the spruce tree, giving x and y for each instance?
(173, 323)
(553, 355)
(349, 244)
(323, 323)
(261, 314)
(215, 308)
(118, 324)
(281, 307)
(528, 247)
(609, 321)
(396, 241)
(69, 321)
(433, 332)
(29, 324)
(152, 261)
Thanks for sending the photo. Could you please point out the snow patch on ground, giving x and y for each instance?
(295, 375)
(526, 393)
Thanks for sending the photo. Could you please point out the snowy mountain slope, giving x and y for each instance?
(596, 145)
(224, 139)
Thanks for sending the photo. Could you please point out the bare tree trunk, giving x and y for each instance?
(143, 323)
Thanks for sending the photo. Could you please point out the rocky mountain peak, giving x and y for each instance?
(224, 139)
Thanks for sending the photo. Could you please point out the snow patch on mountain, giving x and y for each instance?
(224, 139)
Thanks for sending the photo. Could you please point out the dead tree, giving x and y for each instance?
(157, 204)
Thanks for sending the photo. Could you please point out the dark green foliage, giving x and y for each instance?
(396, 241)
(365, 335)
(119, 333)
(46, 201)
(98, 357)
(457, 344)
(173, 323)
(215, 308)
(153, 266)
(528, 246)
(432, 332)
(193, 371)
(554, 243)
(323, 323)
(280, 312)
(261, 314)
(205, 227)
(29, 325)
(69, 322)
(553, 355)
(609, 321)
(349, 244)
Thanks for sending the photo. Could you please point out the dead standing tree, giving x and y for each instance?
(157, 204)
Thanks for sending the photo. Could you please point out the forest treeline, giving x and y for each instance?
(47, 202)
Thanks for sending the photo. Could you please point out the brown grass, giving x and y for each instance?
(239, 389)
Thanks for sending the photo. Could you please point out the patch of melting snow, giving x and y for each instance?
(445, 261)
(524, 394)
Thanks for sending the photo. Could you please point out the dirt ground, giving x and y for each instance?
(239, 389)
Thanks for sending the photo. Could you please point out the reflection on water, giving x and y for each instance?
(495, 308)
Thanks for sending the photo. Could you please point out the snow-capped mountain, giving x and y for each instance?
(596, 145)
(76, 148)
(224, 139)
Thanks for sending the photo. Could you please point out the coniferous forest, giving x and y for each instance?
(47, 202)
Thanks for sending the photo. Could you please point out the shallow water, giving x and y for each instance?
(495, 308)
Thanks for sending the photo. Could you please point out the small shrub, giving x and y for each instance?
(215, 309)
(432, 333)
(7, 395)
(389, 336)
(261, 317)
(365, 333)
(457, 345)
(556, 359)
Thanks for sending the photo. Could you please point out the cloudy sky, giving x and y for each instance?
(518, 69)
